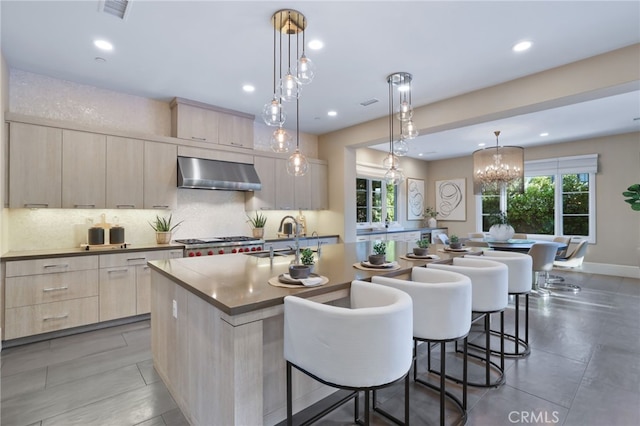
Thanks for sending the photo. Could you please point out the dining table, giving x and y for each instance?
(520, 245)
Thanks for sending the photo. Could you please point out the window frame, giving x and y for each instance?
(557, 167)
(369, 207)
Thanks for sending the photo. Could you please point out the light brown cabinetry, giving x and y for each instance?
(50, 294)
(234, 130)
(124, 173)
(160, 175)
(124, 282)
(35, 166)
(83, 170)
(201, 122)
(281, 191)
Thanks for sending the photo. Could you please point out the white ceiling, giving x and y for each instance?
(207, 50)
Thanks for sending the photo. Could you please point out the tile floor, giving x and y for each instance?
(584, 369)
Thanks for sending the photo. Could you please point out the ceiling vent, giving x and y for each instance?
(369, 102)
(117, 8)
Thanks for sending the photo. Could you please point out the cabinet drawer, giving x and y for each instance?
(36, 319)
(50, 266)
(136, 258)
(33, 290)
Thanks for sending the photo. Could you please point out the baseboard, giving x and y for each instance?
(607, 269)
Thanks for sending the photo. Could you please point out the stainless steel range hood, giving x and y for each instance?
(199, 173)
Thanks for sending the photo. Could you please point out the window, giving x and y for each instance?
(375, 201)
(558, 199)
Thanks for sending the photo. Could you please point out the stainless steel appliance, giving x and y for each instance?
(220, 245)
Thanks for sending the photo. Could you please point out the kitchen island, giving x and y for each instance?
(217, 330)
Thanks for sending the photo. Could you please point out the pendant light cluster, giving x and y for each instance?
(404, 113)
(290, 72)
(498, 166)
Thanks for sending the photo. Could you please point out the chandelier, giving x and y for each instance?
(291, 70)
(494, 168)
(404, 113)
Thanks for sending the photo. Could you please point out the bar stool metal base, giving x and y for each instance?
(515, 338)
(355, 394)
(559, 286)
(486, 357)
(461, 405)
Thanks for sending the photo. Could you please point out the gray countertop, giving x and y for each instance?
(238, 284)
(78, 251)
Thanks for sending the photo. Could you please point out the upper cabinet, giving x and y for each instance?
(281, 191)
(83, 170)
(160, 175)
(35, 166)
(200, 122)
(124, 174)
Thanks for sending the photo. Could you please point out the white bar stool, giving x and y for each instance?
(364, 347)
(520, 282)
(489, 288)
(441, 314)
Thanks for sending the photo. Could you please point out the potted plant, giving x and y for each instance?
(306, 258)
(430, 215)
(163, 229)
(379, 250)
(454, 242)
(500, 229)
(257, 223)
(422, 249)
(633, 196)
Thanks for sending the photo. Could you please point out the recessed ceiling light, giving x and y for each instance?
(103, 44)
(315, 44)
(543, 134)
(332, 113)
(420, 154)
(522, 46)
(248, 88)
(481, 144)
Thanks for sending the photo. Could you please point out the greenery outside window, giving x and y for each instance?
(375, 201)
(559, 199)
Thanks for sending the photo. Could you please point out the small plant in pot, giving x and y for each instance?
(430, 216)
(379, 250)
(422, 249)
(163, 229)
(454, 242)
(304, 268)
(257, 222)
(500, 229)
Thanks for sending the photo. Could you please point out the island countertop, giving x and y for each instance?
(238, 284)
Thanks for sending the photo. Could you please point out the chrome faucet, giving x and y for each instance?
(296, 233)
(317, 241)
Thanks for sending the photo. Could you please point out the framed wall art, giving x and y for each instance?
(451, 199)
(415, 198)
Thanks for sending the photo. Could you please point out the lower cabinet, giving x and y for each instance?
(44, 295)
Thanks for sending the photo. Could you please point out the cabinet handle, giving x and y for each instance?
(136, 258)
(54, 289)
(161, 207)
(198, 139)
(59, 265)
(85, 206)
(55, 317)
(237, 144)
(125, 206)
(117, 270)
(36, 205)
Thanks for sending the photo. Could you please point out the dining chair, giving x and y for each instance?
(441, 314)
(560, 254)
(574, 260)
(489, 295)
(543, 254)
(361, 348)
(519, 236)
